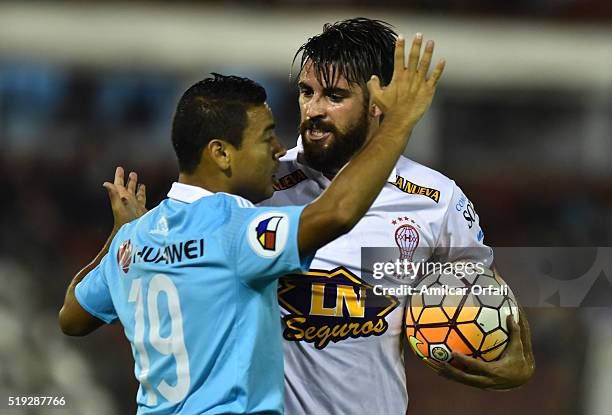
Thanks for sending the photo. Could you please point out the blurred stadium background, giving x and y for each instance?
(522, 121)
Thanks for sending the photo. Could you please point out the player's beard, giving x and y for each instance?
(340, 150)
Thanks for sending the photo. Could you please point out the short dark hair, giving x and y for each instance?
(354, 48)
(212, 108)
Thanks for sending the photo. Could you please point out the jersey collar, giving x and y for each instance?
(317, 175)
(187, 193)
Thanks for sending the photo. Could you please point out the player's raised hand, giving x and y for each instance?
(411, 90)
(127, 200)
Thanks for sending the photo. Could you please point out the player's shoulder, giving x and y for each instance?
(138, 223)
(152, 222)
(234, 201)
(171, 214)
(427, 175)
(130, 233)
(413, 178)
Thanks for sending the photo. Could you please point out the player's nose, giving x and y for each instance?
(314, 108)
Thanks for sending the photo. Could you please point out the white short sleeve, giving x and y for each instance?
(461, 236)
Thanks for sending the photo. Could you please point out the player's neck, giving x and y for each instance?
(205, 180)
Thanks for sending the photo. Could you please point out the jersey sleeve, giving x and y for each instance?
(93, 293)
(461, 237)
(267, 243)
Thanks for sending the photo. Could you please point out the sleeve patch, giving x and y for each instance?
(267, 234)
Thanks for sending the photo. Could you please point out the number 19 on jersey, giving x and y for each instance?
(173, 344)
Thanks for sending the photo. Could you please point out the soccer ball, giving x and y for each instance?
(463, 312)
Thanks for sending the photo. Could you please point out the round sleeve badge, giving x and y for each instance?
(267, 233)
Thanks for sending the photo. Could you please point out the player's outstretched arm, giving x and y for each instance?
(127, 204)
(352, 192)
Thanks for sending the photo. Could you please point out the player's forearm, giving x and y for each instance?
(69, 318)
(358, 184)
(94, 263)
(355, 187)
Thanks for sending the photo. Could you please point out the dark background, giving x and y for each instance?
(532, 150)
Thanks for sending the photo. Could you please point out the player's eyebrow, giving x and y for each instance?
(335, 90)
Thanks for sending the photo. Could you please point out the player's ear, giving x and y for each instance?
(220, 152)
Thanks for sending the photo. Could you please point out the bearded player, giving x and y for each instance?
(212, 344)
(342, 344)
(359, 366)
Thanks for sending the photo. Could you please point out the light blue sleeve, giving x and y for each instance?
(267, 243)
(93, 293)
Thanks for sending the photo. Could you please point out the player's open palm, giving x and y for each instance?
(127, 200)
(410, 91)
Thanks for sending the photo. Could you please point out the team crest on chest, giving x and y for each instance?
(407, 236)
(331, 306)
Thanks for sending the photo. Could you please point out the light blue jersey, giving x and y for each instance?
(194, 284)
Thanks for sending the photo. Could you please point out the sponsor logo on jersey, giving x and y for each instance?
(461, 203)
(332, 306)
(469, 214)
(480, 235)
(169, 254)
(466, 208)
(267, 234)
(407, 186)
(289, 180)
(124, 255)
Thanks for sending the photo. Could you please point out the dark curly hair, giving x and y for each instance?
(354, 48)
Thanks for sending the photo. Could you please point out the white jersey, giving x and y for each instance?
(343, 344)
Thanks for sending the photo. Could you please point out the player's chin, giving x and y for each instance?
(266, 193)
(269, 192)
